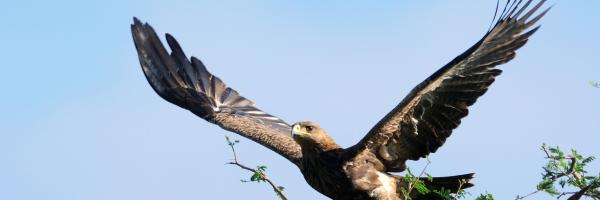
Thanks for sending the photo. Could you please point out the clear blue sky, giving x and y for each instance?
(79, 120)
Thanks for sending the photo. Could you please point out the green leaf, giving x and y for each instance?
(461, 194)
(486, 196)
(563, 164)
(261, 168)
(562, 183)
(547, 186)
(421, 188)
(429, 177)
(588, 159)
(409, 177)
(443, 193)
(255, 177)
(405, 194)
(555, 150)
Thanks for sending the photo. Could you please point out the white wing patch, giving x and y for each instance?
(414, 123)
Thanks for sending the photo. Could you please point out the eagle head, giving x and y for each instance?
(311, 136)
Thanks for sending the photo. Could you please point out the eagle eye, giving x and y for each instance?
(309, 128)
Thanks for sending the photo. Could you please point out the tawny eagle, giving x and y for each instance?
(418, 126)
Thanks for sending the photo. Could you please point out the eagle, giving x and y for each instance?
(416, 127)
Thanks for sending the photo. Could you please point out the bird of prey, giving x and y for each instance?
(416, 127)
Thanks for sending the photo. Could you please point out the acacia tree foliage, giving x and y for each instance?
(564, 177)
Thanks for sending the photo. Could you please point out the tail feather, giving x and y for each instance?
(452, 183)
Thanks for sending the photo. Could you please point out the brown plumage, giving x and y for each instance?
(418, 126)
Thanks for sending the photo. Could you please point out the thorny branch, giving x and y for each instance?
(259, 173)
(527, 195)
(411, 185)
(418, 184)
(571, 172)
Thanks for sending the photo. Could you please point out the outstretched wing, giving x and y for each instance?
(420, 124)
(189, 85)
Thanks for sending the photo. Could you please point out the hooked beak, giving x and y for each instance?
(297, 130)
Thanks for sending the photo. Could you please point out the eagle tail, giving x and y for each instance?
(452, 183)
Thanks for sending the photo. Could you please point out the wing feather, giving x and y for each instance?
(423, 121)
(189, 85)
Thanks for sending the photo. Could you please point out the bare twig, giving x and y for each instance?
(527, 195)
(564, 194)
(426, 165)
(261, 174)
(411, 185)
(459, 191)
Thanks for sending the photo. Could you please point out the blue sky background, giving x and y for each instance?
(79, 120)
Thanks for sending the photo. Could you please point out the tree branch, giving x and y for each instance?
(411, 185)
(571, 173)
(258, 174)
